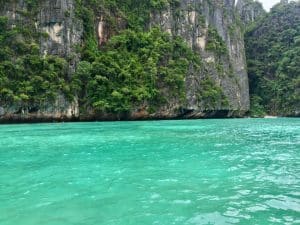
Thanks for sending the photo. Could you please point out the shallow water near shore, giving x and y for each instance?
(235, 171)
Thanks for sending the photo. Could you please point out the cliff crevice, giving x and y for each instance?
(210, 79)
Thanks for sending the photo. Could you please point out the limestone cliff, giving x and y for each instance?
(61, 31)
(201, 23)
(273, 55)
(196, 22)
(250, 10)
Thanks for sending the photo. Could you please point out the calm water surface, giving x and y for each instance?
(140, 173)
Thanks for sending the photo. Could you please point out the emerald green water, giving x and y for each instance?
(244, 171)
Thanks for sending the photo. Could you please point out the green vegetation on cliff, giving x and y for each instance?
(135, 69)
(273, 56)
(139, 67)
(27, 79)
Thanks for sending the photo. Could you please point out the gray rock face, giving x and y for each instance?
(54, 17)
(57, 19)
(2, 112)
(191, 22)
(59, 110)
(249, 10)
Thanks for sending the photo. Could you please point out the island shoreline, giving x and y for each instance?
(80, 120)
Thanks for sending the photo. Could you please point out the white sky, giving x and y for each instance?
(268, 3)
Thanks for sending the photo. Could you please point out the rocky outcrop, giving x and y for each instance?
(53, 17)
(273, 42)
(193, 20)
(250, 11)
(59, 110)
(56, 19)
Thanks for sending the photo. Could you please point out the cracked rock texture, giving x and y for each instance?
(57, 19)
(191, 21)
(250, 10)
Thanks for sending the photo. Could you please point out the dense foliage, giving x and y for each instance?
(273, 55)
(215, 43)
(250, 11)
(135, 68)
(138, 67)
(26, 79)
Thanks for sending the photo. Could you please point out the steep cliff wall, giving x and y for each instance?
(56, 18)
(215, 81)
(53, 29)
(273, 52)
(212, 31)
(250, 11)
(198, 23)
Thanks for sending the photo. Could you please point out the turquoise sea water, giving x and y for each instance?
(243, 171)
